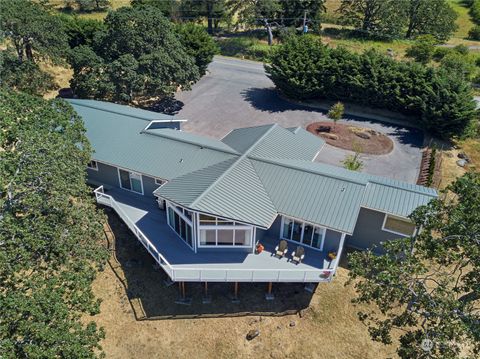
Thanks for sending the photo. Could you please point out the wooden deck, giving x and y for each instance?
(181, 263)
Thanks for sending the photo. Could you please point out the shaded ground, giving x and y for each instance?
(327, 329)
(359, 139)
(237, 93)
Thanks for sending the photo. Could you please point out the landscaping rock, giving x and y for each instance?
(462, 163)
(292, 323)
(322, 128)
(364, 135)
(329, 135)
(463, 156)
(252, 334)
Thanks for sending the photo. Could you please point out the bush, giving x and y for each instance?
(80, 31)
(475, 11)
(474, 33)
(422, 51)
(441, 52)
(441, 101)
(461, 49)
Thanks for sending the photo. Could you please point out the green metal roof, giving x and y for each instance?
(251, 175)
(122, 110)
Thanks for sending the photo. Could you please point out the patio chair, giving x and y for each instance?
(281, 249)
(298, 255)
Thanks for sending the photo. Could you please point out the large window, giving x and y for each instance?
(131, 181)
(216, 231)
(398, 225)
(301, 232)
(179, 219)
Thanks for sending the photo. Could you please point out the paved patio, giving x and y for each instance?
(216, 264)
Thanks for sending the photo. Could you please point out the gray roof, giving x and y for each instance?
(251, 175)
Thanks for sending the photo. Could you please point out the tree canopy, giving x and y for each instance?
(428, 286)
(50, 232)
(400, 18)
(139, 56)
(198, 44)
(32, 34)
(32, 30)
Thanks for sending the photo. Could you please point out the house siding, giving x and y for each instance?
(368, 231)
(106, 175)
(149, 186)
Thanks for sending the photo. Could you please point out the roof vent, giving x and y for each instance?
(343, 189)
(181, 160)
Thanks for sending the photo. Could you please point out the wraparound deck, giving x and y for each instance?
(148, 223)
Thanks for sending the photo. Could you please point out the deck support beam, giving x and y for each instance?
(269, 295)
(206, 299)
(183, 297)
(235, 293)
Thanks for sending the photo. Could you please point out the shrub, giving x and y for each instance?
(440, 100)
(422, 51)
(461, 49)
(474, 33)
(441, 52)
(475, 11)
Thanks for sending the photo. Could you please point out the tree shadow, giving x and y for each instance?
(167, 105)
(270, 100)
(152, 298)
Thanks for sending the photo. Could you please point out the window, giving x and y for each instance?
(180, 223)
(216, 231)
(93, 165)
(398, 225)
(130, 181)
(304, 233)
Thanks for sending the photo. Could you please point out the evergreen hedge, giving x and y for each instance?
(439, 100)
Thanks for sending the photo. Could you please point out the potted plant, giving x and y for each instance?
(332, 255)
(259, 248)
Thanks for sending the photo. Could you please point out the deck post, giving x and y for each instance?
(183, 298)
(235, 293)
(269, 295)
(206, 298)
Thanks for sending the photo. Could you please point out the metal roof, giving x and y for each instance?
(251, 175)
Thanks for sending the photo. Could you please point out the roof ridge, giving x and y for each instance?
(373, 181)
(232, 151)
(234, 164)
(369, 180)
(83, 104)
(275, 162)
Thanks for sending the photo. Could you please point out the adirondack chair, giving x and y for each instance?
(281, 249)
(298, 255)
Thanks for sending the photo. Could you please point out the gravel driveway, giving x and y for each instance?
(236, 93)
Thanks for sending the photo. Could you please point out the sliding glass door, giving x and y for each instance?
(130, 180)
(301, 232)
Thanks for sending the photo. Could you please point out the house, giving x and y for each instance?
(200, 206)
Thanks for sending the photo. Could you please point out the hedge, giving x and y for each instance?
(438, 100)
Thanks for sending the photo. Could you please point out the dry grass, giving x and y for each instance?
(329, 328)
(62, 76)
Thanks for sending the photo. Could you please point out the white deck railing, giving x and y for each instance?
(192, 274)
